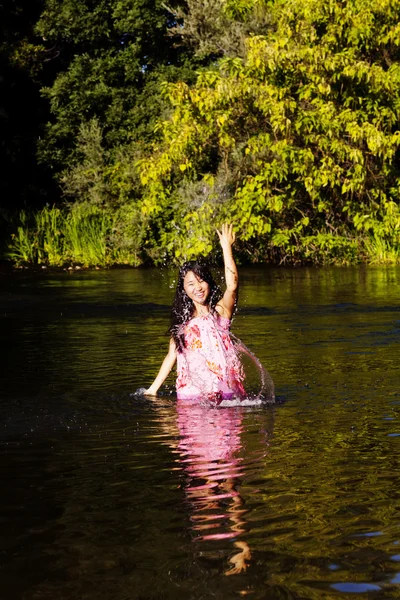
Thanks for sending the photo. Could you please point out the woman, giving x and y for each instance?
(208, 366)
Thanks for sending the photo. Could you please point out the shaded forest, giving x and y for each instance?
(130, 128)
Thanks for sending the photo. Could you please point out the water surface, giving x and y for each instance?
(108, 496)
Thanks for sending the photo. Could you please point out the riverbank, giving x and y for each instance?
(84, 236)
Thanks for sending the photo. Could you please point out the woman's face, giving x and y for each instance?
(196, 288)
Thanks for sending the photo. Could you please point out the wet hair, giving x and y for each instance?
(183, 306)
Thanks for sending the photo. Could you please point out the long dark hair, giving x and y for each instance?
(183, 306)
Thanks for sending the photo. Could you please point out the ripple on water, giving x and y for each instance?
(106, 496)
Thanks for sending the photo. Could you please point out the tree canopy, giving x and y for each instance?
(281, 116)
(296, 140)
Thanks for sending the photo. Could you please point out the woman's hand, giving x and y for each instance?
(226, 236)
(150, 392)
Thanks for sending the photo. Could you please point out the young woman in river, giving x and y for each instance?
(208, 366)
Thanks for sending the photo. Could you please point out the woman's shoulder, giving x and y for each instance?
(222, 321)
(222, 314)
(223, 311)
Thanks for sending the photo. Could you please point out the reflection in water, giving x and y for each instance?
(210, 442)
(211, 454)
(112, 497)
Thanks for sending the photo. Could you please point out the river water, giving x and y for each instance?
(108, 496)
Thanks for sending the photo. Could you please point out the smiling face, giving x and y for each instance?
(196, 288)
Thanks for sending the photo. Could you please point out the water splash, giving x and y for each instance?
(140, 392)
(240, 365)
(258, 382)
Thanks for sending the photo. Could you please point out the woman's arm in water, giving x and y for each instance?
(164, 371)
(226, 306)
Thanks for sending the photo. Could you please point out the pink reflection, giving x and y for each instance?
(208, 434)
(210, 445)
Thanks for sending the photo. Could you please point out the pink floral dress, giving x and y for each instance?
(209, 367)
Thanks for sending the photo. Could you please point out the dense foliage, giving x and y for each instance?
(282, 117)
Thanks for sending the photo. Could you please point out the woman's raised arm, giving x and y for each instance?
(226, 305)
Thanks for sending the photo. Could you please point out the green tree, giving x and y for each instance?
(296, 140)
(107, 59)
(216, 28)
(111, 56)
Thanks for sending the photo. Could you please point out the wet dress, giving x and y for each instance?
(209, 367)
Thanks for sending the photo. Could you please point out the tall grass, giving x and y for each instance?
(49, 236)
(86, 232)
(22, 247)
(82, 235)
(86, 235)
(380, 251)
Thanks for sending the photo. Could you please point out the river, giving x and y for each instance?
(110, 496)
